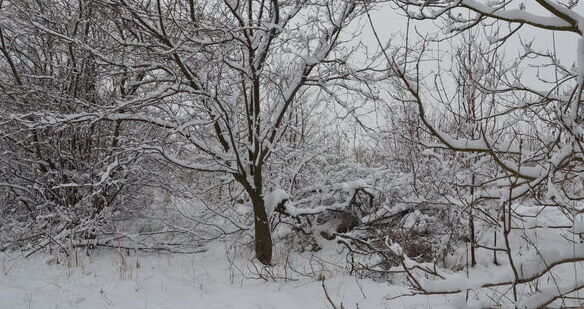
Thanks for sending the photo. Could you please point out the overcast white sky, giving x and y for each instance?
(391, 23)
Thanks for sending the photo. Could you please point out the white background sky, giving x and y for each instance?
(391, 24)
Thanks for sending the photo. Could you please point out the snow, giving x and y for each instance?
(579, 227)
(205, 280)
(274, 198)
(518, 15)
(396, 249)
(580, 59)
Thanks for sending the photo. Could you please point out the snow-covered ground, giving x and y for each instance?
(175, 281)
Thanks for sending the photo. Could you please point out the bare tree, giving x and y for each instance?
(221, 79)
(60, 180)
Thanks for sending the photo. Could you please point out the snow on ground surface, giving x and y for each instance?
(176, 281)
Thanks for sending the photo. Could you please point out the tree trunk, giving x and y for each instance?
(263, 236)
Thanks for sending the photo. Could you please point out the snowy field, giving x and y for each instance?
(174, 281)
(290, 154)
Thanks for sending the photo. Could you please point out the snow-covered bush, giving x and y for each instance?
(519, 143)
(61, 178)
